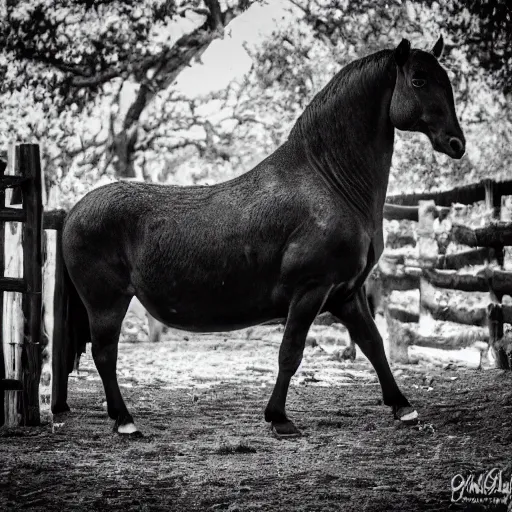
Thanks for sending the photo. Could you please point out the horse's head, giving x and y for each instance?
(423, 99)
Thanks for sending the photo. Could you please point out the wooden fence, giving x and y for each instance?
(29, 333)
(432, 268)
(39, 344)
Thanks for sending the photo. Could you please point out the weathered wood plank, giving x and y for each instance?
(13, 321)
(499, 281)
(54, 219)
(12, 215)
(454, 281)
(465, 258)
(400, 282)
(402, 315)
(495, 311)
(32, 272)
(12, 284)
(10, 181)
(399, 212)
(475, 316)
(444, 262)
(495, 321)
(454, 342)
(466, 195)
(493, 235)
(3, 166)
(49, 319)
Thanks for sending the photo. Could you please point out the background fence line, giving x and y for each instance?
(433, 268)
(38, 344)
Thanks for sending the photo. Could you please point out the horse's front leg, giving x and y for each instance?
(355, 314)
(303, 309)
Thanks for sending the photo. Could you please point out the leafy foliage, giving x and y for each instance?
(94, 83)
(483, 29)
(67, 50)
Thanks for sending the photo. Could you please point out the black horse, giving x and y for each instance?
(295, 236)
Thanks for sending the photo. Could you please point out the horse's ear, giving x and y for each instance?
(438, 48)
(402, 52)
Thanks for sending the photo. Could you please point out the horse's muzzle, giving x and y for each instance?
(457, 146)
(454, 147)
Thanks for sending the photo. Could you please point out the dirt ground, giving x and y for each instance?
(199, 401)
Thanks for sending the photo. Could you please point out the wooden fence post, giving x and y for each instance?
(33, 276)
(398, 335)
(428, 253)
(13, 320)
(398, 339)
(494, 310)
(3, 165)
(49, 321)
(495, 319)
(493, 204)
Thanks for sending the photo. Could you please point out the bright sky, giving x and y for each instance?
(226, 59)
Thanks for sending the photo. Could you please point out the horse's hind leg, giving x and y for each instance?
(356, 316)
(105, 329)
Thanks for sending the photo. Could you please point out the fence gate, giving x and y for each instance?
(21, 297)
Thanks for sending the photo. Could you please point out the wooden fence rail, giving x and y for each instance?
(432, 268)
(468, 194)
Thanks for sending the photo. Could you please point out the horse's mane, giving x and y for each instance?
(333, 126)
(358, 73)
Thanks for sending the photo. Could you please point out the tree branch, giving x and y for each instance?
(215, 18)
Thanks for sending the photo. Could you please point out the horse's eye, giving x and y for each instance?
(419, 82)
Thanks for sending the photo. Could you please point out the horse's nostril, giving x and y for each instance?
(457, 145)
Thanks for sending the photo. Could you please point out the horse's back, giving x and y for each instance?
(208, 258)
(196, 257)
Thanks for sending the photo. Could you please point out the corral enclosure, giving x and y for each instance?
(199, 401)
(196, 93)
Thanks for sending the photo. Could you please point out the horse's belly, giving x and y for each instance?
(213, 306)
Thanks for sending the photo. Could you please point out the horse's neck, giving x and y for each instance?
(354, 156)
(376, 145)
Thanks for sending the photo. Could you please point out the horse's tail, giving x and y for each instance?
(79, 332)
(76, 334)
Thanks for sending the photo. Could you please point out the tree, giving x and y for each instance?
(69, 52)
(483, 29)
(106, 105)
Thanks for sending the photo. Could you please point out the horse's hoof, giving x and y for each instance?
(128, 430)
(286, 430)
(407, 415)
(60, 408)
